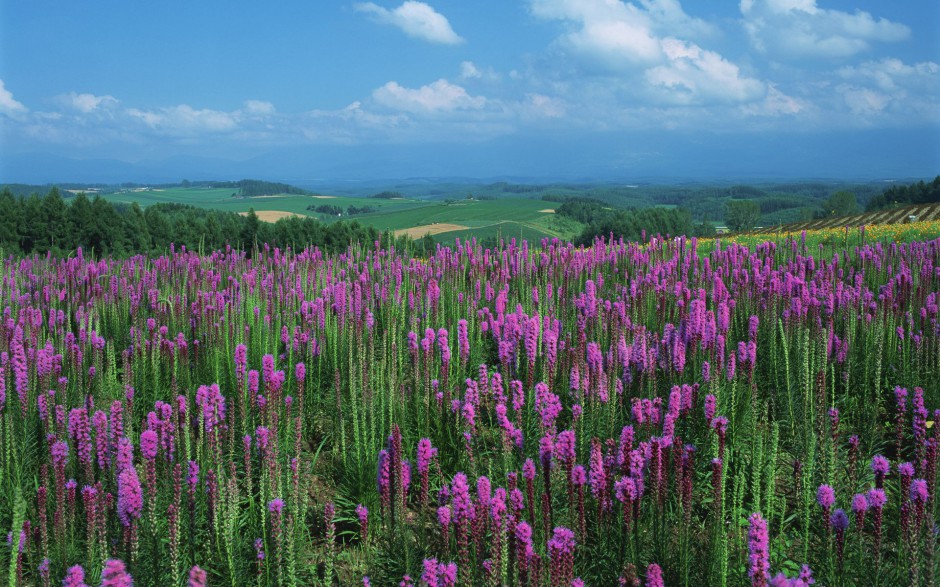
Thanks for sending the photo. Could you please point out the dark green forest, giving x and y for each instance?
(255, 187)
(37, 224)
(632, 224)
(906, 195)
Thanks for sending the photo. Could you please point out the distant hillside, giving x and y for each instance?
(916, 213)
(256, 187)
(900, 195)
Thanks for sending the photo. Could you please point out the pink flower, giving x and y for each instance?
(148, 444)
(130, 497)
(115, 575)
(758, 549)
(197, 577)
(74, 577)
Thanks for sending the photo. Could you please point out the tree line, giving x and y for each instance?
(256, 187)
(906, 195)
(631, 224)
(38, 224)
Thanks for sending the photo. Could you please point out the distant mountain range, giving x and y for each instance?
(655, 157)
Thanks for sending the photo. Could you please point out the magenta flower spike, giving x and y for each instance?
(130, 496)
(758, 551)
(654, 576)
(197, 577)
(115, 574)
(561, 551)
(74, 577)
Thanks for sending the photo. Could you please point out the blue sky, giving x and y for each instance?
(586, 87)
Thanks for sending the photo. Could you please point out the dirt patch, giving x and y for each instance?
(436, 228)
(273, 215)
(548, 211)
(324, 197)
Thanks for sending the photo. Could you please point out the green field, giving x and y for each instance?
(228, 200)
(506, 217)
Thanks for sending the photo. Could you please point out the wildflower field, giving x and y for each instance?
(626, 414)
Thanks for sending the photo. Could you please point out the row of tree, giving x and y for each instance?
(631, 224)
(37, 224)
(907, 195)
(255, 187)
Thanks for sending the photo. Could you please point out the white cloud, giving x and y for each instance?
(469, 71)
(891, 89)
(435, 97)
(892, 74)
(259, 108)
(697, 74)
(800, 29)
(416, 19)
(8, 105)
(775, 104)
(612, 32)
(184, 120)
(86, 103)
(541, 106)
(628, 42)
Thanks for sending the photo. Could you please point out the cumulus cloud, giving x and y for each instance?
(184, 120)
(416, 19)
(775, 104)
(616, 33)
(86, 103)
(889, 88)
(259, 108)
(8, 105)
(695, 73)
(439, 96)
(801, 29)
(470, 71)
(628, 41)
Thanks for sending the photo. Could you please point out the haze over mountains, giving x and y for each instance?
(652, 156)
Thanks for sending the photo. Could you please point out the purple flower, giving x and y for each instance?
(426, 452)
(906, 470)
(448, 574)
(115, 575)
(74, 577)
(826, 496)
(578, 476)
(654, 576)
(546, 450)
(565, 447)
(840, 521)
(758, 552)
(148, 444)
(919, 491)
(429, 575)
(130, 497)
(561, 551)
(859, 503)
(528, 470)
(60, 454)
(711, 404)
(276, 506)
(597, 475)
(443, 516)
(462, 505)
(876, 498)
(197, 577)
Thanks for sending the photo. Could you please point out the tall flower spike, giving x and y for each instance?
(758, 552)
(115, 575)
(197, 577)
